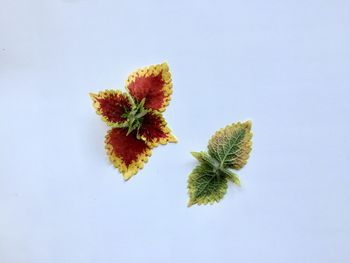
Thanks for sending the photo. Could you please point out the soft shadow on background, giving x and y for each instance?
(283, 64)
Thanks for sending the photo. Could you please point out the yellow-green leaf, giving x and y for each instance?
(205, 186)
(230, 176)
(231, 145)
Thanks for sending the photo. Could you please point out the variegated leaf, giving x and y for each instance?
(231, 145)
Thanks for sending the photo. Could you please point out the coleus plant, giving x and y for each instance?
(228, 149)
(135, 117)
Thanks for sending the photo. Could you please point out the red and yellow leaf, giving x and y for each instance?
(111, 105)
(126, 152)
(152, 83)
(154, 130)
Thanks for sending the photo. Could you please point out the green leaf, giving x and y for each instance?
(205, 185)
(228, 149)
(231, 145)
(230, 176)
(206, 158)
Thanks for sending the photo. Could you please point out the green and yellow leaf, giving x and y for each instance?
(205, 186)
(228, 149)
(204, 157)
(230, 176)
(231, 145)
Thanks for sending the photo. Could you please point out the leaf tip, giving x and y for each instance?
(128, 173)
(92, 95)
(165, 65)
(172, 139)
(237, 182)
(127, 176)
(195, 154)
(248, 124)
(190, 203)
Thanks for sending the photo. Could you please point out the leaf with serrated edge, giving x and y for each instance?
(205, 186)
(231, 176)
(229, 148)
(231, 145)
(204, 157)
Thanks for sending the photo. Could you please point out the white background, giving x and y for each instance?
(283, 64)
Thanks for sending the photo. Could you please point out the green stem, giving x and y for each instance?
(134, 117)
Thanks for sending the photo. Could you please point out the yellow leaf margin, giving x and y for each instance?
(155, 70)
(130, 170)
